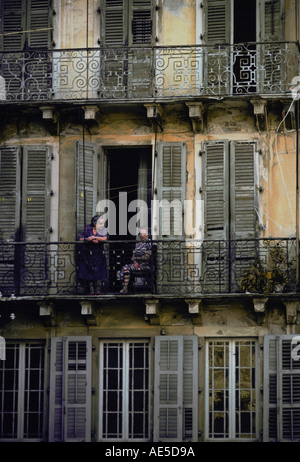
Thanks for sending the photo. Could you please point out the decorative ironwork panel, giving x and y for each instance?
(134, 73)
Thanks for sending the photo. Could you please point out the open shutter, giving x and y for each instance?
(9, 215)
(39, 25)
(217, 32)
(36, 193)
(86, 185)
(281, 389)
(175, 390)
(272, 27)
(14, 21)
(70, 389)
(172, 169)
(9, 192)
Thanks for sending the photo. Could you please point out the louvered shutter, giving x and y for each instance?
(36, 193)
(243, 207)
(244, 190)
(140, 13)
(215, 189)
(9, 215)
(217, 32)
(39, 25)
(86, 185)
(70, 389)
(281, 390)
(13, 23)
(272, 19)
(172, 183)
(175, 389)
(9, 192)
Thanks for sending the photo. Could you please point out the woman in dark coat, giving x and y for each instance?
(93, 262)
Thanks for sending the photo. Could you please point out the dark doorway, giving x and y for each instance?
(244, 55)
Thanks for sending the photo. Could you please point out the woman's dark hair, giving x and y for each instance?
(94, 220)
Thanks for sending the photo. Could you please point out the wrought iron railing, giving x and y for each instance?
(141, 73)
(176, 268)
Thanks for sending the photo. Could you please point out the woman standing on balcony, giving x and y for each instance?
(92, 266)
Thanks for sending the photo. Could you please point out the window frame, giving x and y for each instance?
(232, 389)
(21, 388)
(125, 344)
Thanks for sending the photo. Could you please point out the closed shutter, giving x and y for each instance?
(86, 185)
(176, 388)
(14, 21)
(281, 389)
(141, 22)
(36, 193)
(70, 389)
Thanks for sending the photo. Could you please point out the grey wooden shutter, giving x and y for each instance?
(70, 389)
(244, 190)
(217, 32)
(39, 24)
(114, 22)
(272, 19)
(175, 389)
(172, 184)
(9, 192)
(215, 189)
(9, 215)
(217, 13)
(13, 23)
(36, 193)
(281, 390)
(86, 183)
(140, 12)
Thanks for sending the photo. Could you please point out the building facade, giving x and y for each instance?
(179, 117)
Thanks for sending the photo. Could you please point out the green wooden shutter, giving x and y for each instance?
(39, 24)
(281, 390)
(172, 184)
(86, 185)
(114, 23)
(9, 192)
(70, 389)
(36, 193)
(175, 389)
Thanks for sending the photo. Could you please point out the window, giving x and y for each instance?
(231, 389)
(27, 36)
(232, 28)
(125, 390)
(230, 193)
(176, 388)
(281, 389)
(22, 392)
(126, 71)
(24, 216)
(70, 389)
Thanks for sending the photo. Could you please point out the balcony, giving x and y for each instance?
(177, 268)
(160, 73)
